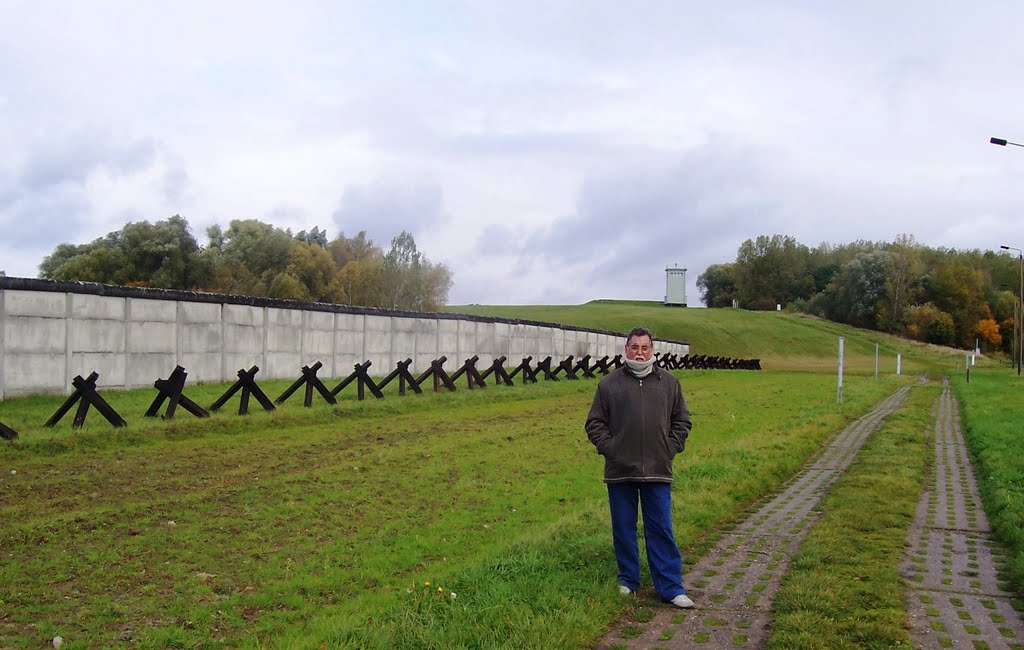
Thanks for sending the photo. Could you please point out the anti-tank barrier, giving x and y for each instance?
(569, 368)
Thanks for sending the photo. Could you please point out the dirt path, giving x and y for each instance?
(734, 584)
(953, 590)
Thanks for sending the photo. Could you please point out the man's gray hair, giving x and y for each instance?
(639, 331)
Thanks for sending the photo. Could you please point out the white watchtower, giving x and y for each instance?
(675, 286)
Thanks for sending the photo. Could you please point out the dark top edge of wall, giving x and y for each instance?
(115, 291)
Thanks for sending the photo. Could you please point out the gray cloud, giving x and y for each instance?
(386, 207)
(47, 198)
(72, 158)
(175, 182)
(498, 239)
(638, 217)
(38, 219)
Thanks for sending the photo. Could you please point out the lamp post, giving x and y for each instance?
(1003, 142)
(1020, 298)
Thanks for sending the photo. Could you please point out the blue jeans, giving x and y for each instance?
(662, 552)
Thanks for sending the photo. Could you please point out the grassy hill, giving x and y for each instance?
(781, 340)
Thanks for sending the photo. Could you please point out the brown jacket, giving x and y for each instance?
(638, 425)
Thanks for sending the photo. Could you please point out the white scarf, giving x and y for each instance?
(640, 369)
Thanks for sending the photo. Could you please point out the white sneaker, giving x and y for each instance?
(683, 601)
(625, 591)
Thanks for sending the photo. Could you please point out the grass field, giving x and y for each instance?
(308, 526)
(321, 527)
(992, 408)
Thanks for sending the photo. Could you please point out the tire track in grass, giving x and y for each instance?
(954, 595)
(735, 583)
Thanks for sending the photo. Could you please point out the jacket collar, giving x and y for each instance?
(655, 371)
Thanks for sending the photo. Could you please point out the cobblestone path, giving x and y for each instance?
(734, 584)
(954, 596)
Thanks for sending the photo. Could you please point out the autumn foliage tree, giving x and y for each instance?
(254, 258)
(943, 296)
(987, 331)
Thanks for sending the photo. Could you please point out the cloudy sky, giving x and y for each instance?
(547, 152)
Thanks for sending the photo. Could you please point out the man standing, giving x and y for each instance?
(639, 422)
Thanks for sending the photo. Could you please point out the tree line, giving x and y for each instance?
(937, 295)
(253, 258)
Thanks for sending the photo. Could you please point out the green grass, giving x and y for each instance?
(320, 527)
(310, 527)
(843, 589)
(782, 340)
(992, 410)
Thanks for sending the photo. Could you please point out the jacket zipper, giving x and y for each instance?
(643, 442)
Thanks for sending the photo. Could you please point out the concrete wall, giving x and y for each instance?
(50, 332)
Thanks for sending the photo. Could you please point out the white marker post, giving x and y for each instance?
(899, 364)
(839, 390)
(876, 362)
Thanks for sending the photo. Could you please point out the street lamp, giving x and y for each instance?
(1020, 298)
(1002, 142)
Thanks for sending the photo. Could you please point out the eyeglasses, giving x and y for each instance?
(639, 348)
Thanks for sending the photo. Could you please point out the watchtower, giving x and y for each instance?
(675, 286)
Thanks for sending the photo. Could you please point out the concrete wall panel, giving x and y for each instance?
(201, 338)
(35, 303)
(284, 331)
(235, 361)
(97, 336)
(243, 315)
(467, 342)
(531, 343)
(378, 344)
(447, 339)
(243, 338)
(202, 366)
(318, 340)
(97, 307)
(517, 343)
(348, 351)
(34, 335)
(164, 311)
(318, 346)
(320, 320)
(28, 373)
(109, 365)
(282, 365)
(403, 340)
(421, 362)
(426, 343)
(485, 345)
(142, 369)
(284, 343)
(152, 337)
(199, 312)
(350, 322)
(502, 341)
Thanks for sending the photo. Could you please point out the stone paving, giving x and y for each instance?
(735, 583)
(955, 598)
